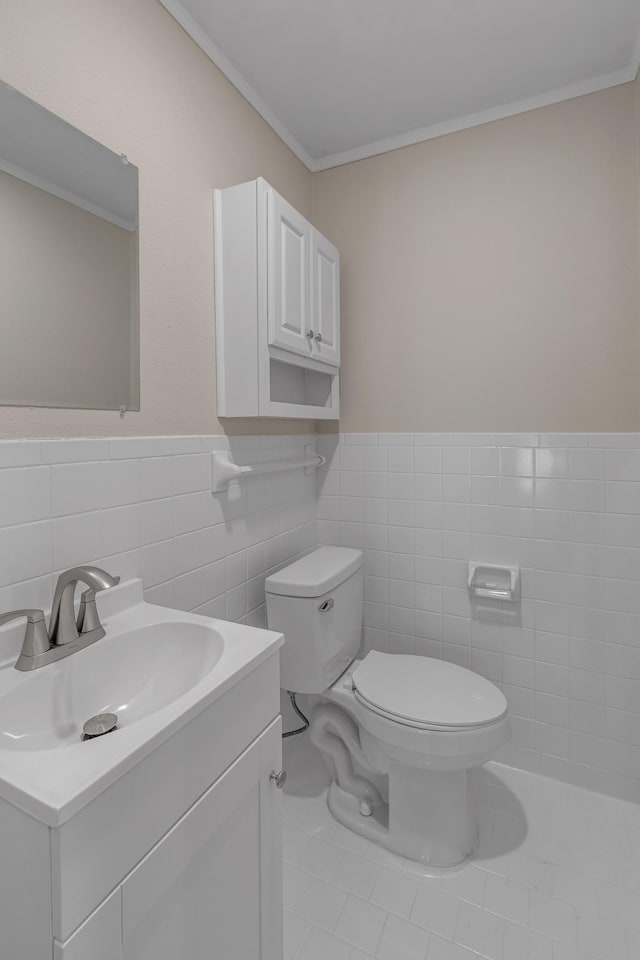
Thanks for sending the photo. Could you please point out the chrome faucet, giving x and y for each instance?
(63, 626)
(66, 634)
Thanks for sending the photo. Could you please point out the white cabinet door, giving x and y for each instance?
(212, 887)
(325, 311)
(289, 294)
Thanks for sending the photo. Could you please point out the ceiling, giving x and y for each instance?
(344, 79)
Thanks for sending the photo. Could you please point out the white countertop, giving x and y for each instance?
(53, 784)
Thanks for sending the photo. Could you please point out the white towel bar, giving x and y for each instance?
(224, 470)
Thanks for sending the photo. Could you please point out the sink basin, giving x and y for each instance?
(133, 676)
(156, 669)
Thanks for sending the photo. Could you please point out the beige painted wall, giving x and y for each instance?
(637, 151)
(126, 74)
(490, 277)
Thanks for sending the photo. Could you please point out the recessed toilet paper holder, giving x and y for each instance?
(490, 581)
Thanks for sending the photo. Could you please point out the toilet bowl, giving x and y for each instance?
(399, 731)
(424, 748)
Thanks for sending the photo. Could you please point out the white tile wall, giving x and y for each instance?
(566, 508)
(143, 506)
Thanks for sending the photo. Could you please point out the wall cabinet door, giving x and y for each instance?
(212, 887)
(289, 294)
(325, 291)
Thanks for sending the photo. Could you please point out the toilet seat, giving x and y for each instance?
(425, 693)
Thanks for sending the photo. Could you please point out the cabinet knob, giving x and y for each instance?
(278, 778)
(318, 338)
(310, 335)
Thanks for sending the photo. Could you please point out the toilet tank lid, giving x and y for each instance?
(316, 574)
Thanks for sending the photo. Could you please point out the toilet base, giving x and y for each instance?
(428, 817)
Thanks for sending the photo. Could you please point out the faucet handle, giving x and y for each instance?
(88, 618)
(36, 638)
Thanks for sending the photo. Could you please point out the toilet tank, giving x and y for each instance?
(316, 602)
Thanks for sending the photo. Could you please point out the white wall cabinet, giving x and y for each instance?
(277, 285)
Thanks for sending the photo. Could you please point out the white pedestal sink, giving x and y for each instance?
(103, 840)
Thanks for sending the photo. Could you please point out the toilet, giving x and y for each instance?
(399, 732)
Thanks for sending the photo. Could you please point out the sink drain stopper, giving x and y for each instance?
(99, 725)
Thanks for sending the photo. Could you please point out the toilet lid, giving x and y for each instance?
(424, 692)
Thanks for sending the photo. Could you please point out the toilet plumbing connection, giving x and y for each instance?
(335, 733)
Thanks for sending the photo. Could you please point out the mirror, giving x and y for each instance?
(68, 264)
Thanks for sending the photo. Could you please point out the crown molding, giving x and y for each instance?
(418, 135)
(206, 44)
(476, 119)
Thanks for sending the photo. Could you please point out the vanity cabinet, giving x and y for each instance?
(179, 859)
(277, 282)
(210, 887)
(99, 938)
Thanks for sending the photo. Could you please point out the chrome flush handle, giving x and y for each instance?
(326, 605)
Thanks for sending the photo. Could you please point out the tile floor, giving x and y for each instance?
(556, 877)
